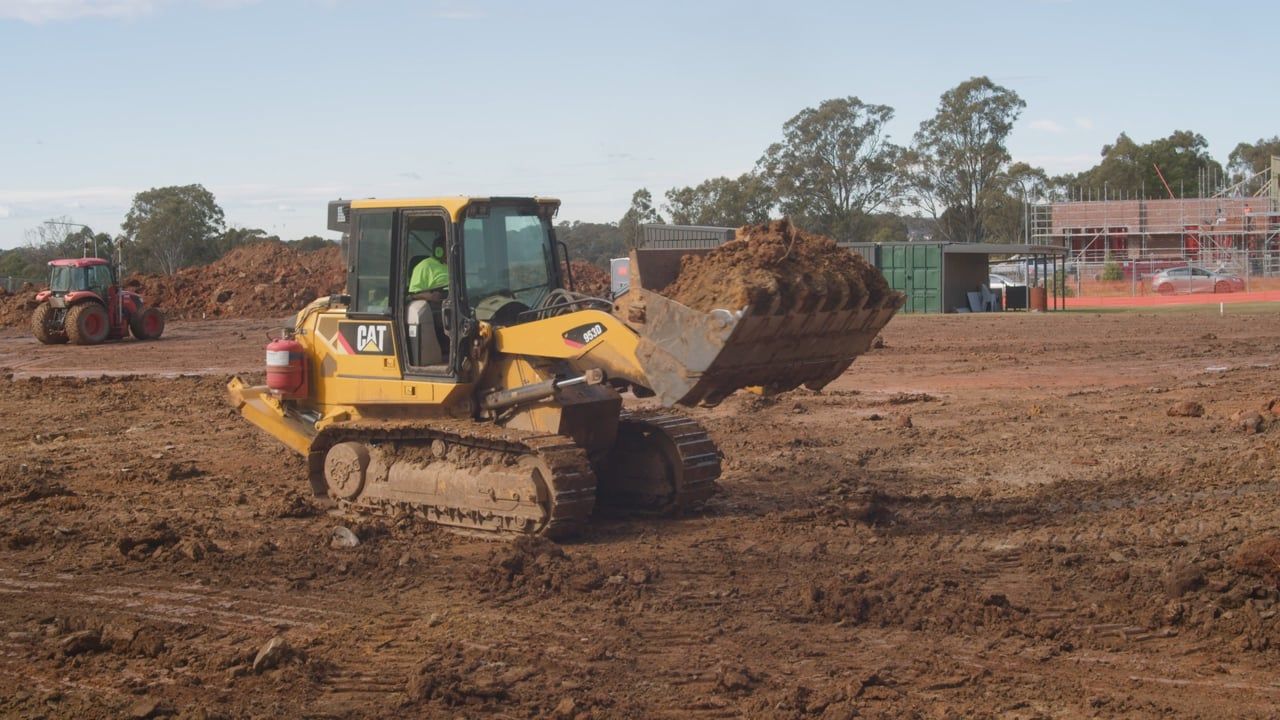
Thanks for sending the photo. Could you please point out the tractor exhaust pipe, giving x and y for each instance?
(501, 399)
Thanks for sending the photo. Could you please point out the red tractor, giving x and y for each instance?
(85, 304)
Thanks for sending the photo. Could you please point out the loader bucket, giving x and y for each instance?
(692, 357)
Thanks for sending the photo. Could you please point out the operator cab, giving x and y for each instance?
(436, 268)
(80, 274)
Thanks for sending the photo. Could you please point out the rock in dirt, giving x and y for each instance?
(157, 535)
(342, 538)
(197, 548)
(1249, 421)
(294, 505)
(735, 678)
(1183, 578)
(1186, 408)
(145, 708)
(565, 709)
(1261, 557)
(272, 655)
(81, 642)
(776, 261)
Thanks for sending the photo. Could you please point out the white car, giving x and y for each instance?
(1000, 282)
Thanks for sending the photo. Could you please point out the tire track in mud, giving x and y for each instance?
(376, 665)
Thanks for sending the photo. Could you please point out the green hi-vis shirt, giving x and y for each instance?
(430, 274)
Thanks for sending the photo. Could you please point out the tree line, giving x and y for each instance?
(836, 171)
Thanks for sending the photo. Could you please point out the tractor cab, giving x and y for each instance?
(85, 305)
(79, 275)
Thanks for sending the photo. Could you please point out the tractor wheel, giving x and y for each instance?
(40, 326)
(88, 324)
(148, 324)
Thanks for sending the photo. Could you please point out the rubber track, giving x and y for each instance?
(572, 486)
(699, 457)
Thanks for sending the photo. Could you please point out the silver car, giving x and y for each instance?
(1191, 279)
(996, 281)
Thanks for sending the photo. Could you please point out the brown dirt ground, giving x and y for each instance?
(776, 262)
(1041, 539)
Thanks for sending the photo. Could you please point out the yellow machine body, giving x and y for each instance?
(514, 422)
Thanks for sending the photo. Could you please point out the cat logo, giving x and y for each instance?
(364, 338)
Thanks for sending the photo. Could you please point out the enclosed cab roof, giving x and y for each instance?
(77, 262)
(454, 205)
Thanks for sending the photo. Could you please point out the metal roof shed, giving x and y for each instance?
(937, 276)
(966, 267)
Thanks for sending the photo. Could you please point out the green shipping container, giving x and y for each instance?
(914, 269)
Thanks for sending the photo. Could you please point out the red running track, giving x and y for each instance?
(1075, 303)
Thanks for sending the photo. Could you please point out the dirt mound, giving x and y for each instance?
(589, 279)
(264, 280)
(1260, 557)
(772, 260)
(915, 603)
(537, 566)
(16, 307)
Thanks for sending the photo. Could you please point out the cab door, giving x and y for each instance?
(417, 231)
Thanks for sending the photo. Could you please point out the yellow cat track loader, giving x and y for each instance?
(495, 404)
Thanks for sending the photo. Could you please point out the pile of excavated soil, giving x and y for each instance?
(777, 260)
(16, 307)
(256, 281)
(589, 279)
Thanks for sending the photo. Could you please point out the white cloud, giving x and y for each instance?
(42, 11)
(5, 212)
(1046, 126)
(284, 208)
(72, 197)
(1084, 123)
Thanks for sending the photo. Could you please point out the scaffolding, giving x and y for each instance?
(1237, 227)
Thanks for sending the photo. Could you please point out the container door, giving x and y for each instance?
(927, 283)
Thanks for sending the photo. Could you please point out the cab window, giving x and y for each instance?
(99, 278)
(65, 278)
(371, 289)
(507, 252)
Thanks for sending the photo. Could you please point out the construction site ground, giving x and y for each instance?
(1020, 516)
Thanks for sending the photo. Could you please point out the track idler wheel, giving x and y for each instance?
(345, 466)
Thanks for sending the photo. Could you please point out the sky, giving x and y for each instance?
(277, 106)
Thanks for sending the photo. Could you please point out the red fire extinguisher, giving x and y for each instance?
(287, 367)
